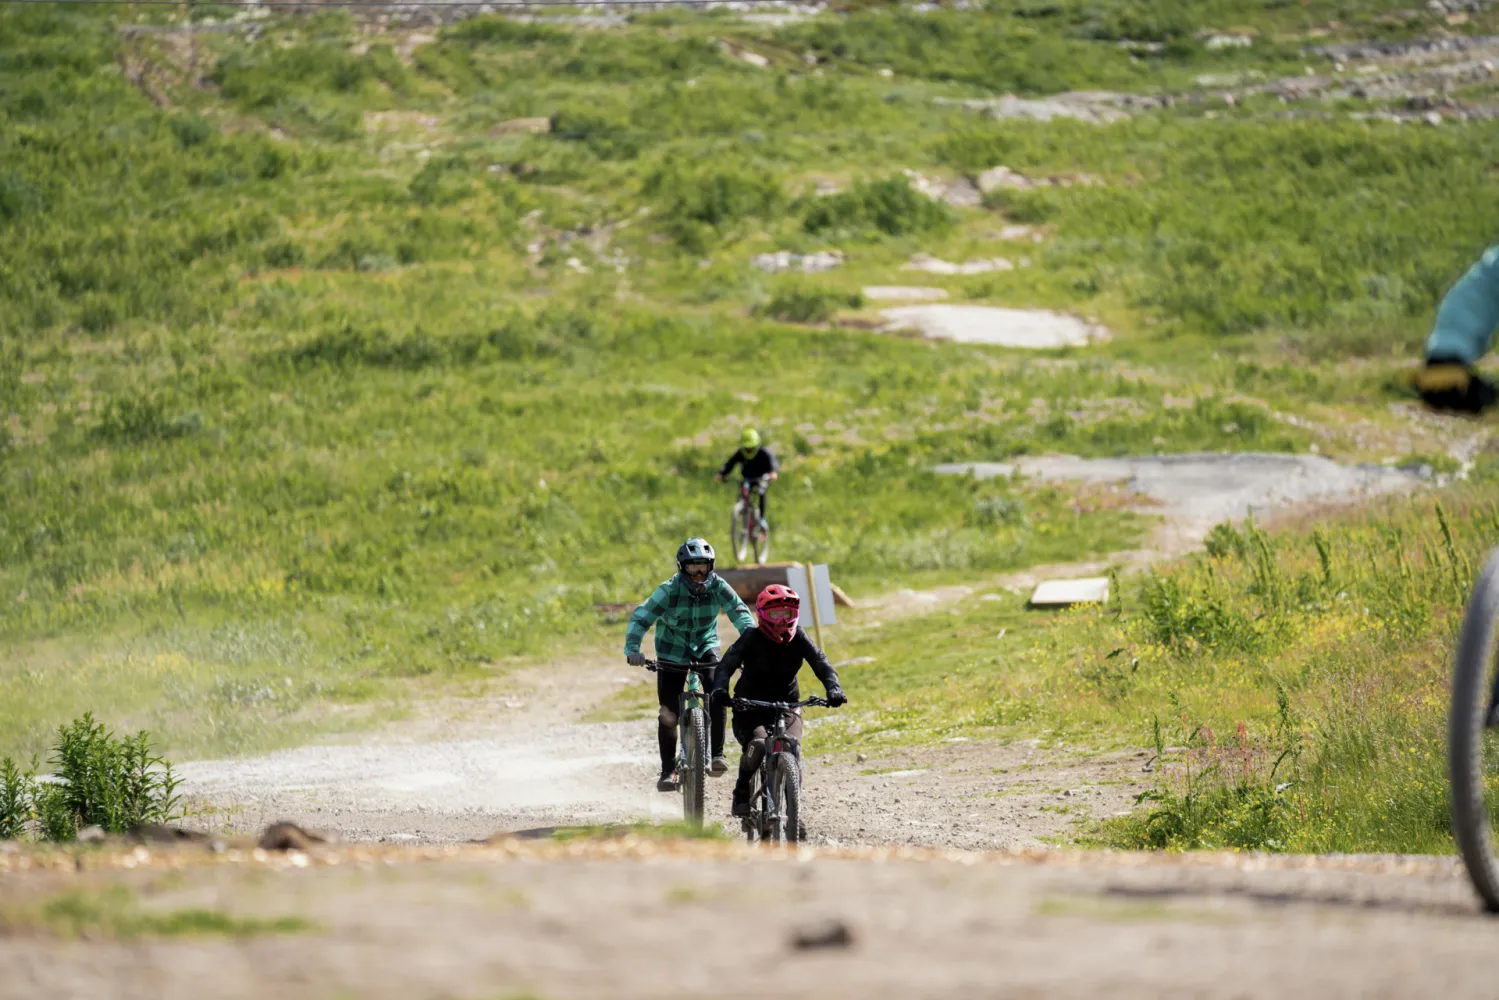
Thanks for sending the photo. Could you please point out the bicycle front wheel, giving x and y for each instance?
(696, 733)
(788, 787)
(739, 533)
(753, 823)
(1472, 743)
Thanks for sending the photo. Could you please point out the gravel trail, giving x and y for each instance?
(541, 765)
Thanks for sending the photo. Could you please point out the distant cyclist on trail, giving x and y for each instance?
(756, 464)
(1464, 329)
(685, 610)
(771, 654)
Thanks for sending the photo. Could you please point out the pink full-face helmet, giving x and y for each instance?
(777, 609)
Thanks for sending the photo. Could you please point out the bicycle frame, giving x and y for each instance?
(778, 743)
(747, 529)
(749, 509)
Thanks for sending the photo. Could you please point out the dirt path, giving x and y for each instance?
(526, 759)
(607, 920)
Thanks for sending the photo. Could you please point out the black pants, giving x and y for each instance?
(751, 727)
(669, 687)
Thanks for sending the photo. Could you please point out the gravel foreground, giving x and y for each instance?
(633, 916)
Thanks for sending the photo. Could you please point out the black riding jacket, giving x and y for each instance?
(763, 464)
(770, 667)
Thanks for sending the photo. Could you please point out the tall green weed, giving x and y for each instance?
(1356, 619)
(98, 779)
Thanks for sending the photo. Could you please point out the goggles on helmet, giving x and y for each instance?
(696, 568)
(784, 614)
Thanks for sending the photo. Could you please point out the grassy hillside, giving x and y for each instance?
(328, 379)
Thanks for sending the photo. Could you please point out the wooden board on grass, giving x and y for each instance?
(1064, 593)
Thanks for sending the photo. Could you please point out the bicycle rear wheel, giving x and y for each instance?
(761, 542)
(1472, 743)
(693, 778)
(786, 828)
(739, 533)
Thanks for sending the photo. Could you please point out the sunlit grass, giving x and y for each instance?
(322, 386)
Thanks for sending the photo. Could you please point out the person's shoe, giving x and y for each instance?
(667, 782)
(719, 765)
(741, 802)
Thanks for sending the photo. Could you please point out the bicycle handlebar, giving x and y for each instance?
(655, 665)
(784, 706)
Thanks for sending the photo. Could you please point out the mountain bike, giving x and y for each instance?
(776, 784)
(692, 742)
(1473, 736)
(746, 529)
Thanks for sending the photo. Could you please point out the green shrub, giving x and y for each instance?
(17, 798)
(17, 196)
(98, 779)
(607, 138)
(705, 202)
(889, 207)
(190, 131)
(799, 303)
(140, 419)
(1213, 793)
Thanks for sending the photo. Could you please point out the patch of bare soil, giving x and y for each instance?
(970, 795)
(635, 918)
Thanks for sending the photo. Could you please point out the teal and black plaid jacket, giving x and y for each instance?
(686, 623)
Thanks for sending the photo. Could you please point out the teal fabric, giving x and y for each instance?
(1468, 315)
(686, 623)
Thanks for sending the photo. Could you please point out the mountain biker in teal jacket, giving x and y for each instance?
(684, 611)
(1462, 334)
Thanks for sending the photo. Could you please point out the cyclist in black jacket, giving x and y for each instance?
(770, 655)
(756, 463)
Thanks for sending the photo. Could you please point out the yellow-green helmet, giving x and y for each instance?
(749, 442)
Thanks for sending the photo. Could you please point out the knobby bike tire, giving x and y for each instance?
(1472, 684)
(739, 533)
(753, 822)
(788, 785)
(695, 777)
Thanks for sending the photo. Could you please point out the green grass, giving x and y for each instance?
(323, 388)
(115, 912)
(1294, 683)
(710, 831)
